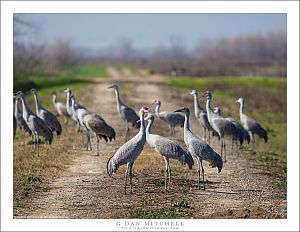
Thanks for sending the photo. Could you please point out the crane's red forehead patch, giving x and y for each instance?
(146, 108)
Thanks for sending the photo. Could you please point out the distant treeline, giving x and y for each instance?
(263, 55)
(248, 55)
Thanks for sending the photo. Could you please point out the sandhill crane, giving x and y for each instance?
(219, 124)
(69, 104)
(79, 114)
(239, 134)
(61, 109)
(37, 125)
(46, 115)
(168, 149)
(99, 127)
(199, 149)
(20, 120)
(250, 124)
(173, 119)
(126, 113)
(70, 111)
(129, 151)
(201, 115)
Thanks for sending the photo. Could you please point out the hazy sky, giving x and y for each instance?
(147, 30)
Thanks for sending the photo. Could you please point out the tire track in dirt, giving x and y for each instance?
(244, 189)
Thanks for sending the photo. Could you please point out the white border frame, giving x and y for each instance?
(10, 7)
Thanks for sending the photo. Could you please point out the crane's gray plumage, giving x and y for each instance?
(219, 124)
(201, 115)
(126, 113)
(99, 127)
(46, 115)
(69, 104)
(129, 151)
(37, 125)
(78, 114)
(240, 134)
(20, 120)
(167, 148)
(172, 118)
(250, 124)
(199, 149)
(61, 109)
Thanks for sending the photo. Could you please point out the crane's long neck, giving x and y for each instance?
(54, 99)
(68, 99)
(208, 108)
(149, 126)
(186, 128)
(26, 110)
(37, 103)
(73, 105)
(241, 109)
(119, 102)
(197, 107)
(142, 128)
(17, 109)
(157, 109)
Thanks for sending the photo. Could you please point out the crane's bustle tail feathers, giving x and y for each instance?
(216, 161)
(49, 136)
(188, 159)
(109, 167)
(265, 135)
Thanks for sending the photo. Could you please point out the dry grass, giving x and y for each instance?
(31, 171)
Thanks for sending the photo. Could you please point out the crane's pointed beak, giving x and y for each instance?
(111, 87)
(180, 110)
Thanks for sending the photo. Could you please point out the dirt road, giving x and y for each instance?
(244, 189)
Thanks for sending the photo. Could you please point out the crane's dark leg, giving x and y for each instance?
(87, 138)
(97, 138)
(208, 136)
(232, 145)
(169, 176)
(33, 142)
(127, 136)
(204, 130)
(237, 148)
(38, 147)
(126, 174)
(89, 142)
(130, 177)
(198, 161)
(202, 169)
(76, 137)
(224, 150)
(166, 174)
(171, 130)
